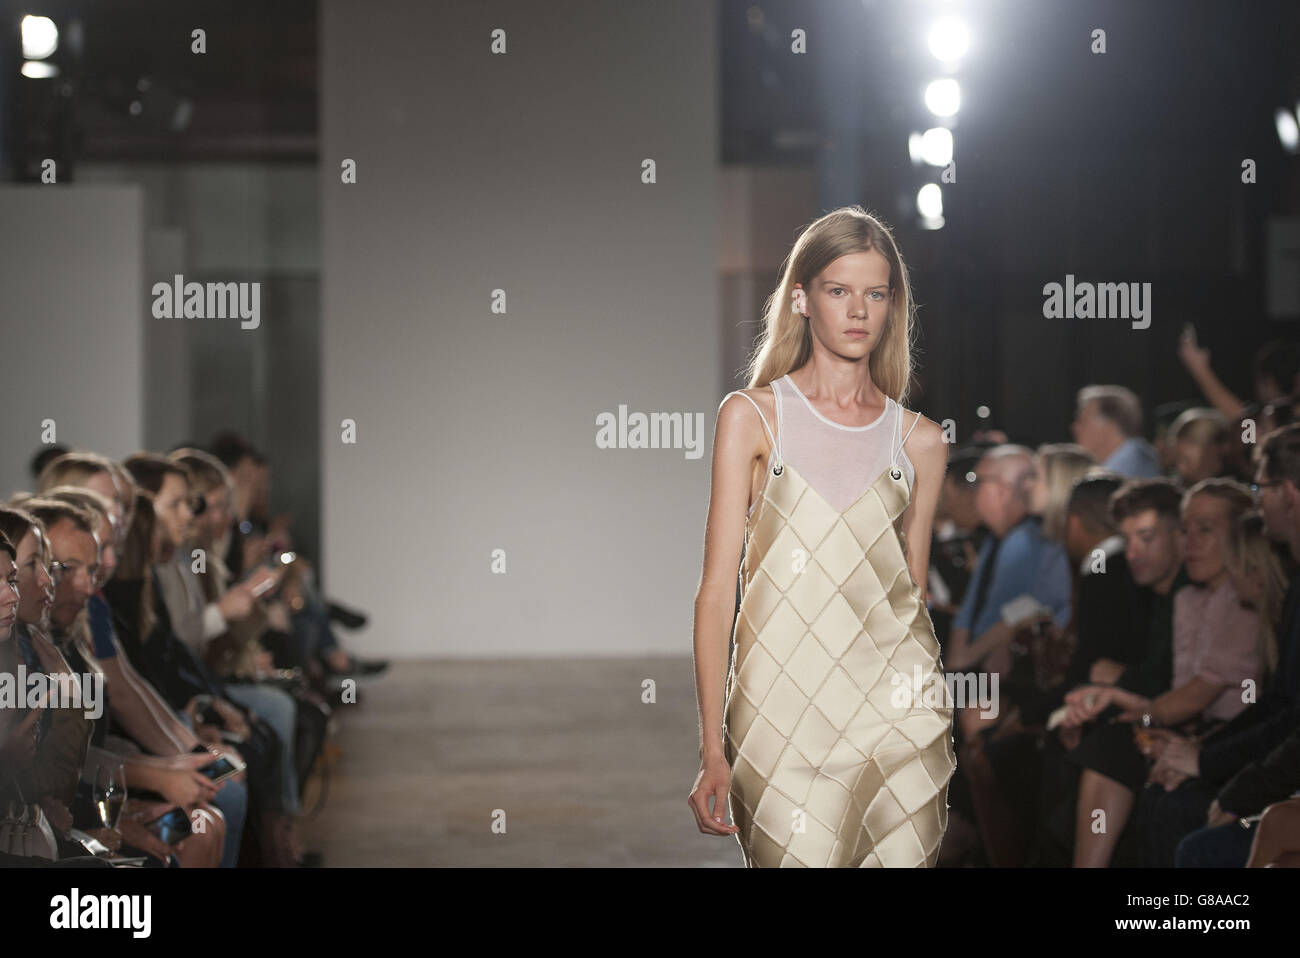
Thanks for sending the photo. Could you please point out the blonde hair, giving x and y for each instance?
(785, 342)
(1250, 555)
(1064, 463)
(1201, 425)
(72, 469)
(87, 499)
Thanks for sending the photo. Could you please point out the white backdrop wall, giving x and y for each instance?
(72, 272)
(475, 430)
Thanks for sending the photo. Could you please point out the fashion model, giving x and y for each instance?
(831, 741)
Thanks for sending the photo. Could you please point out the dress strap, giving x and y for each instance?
(898, 447)
(775, 439)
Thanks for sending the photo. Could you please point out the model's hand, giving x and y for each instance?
(714, 781)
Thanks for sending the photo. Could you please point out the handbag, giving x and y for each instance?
(25, 831)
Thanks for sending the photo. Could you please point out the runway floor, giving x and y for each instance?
(584, 771)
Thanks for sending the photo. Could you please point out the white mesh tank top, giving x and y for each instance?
(839, 461)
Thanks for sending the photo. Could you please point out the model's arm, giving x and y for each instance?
(929, 455)
(735, 446)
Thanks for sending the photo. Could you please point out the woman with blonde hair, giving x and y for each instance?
(1057, 466)
(1260, 580)
(829, 738)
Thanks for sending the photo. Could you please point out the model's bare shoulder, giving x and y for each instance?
(926, 446)
(737, 416)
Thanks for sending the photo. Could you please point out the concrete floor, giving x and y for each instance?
(585, 772)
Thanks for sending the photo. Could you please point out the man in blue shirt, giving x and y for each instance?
(1108, 423)
(1015, 561)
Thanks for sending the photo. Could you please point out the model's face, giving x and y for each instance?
(848, 303)
(1150, 546)
(1205, 529)
(35, 585)
(78, 552)
(172, 507)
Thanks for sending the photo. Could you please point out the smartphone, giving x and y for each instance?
(221, 769)
(172, 827)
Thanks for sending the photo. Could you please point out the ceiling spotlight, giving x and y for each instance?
(40, 37)
(39, 70)
(949, 39)
(929, 200)
(943, 97)
(1288, 131)
(936, 146)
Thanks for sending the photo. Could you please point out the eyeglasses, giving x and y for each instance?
(1266, 484)
(59, 569)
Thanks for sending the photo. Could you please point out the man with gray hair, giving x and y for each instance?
(1020, 575)
(1108, 423)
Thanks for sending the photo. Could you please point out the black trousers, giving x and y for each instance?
(1164, 818)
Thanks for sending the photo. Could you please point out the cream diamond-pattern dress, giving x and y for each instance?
(833, 764)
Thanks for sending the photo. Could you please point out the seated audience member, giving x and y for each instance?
(955, 541)
(1218, 652)
(1108, 423)
(256, 538)
(235, 617)
(64, 731)
(1162, 421)
(1057, 467)
(142, 617)
(75, 561)
(1202, 447)
(1194, 772)
(1016, 560)
(1006, 765)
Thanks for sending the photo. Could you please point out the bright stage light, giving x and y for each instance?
(936, 146)
(949, 39)
(943, 97)
(1288, 131)
(40, 37)
(929, 201)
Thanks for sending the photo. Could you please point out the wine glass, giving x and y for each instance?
(110, 794)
